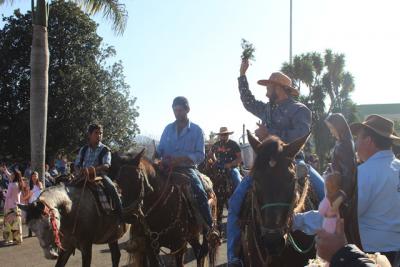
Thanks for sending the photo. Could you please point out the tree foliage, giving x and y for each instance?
(325, 88)
(83, 86)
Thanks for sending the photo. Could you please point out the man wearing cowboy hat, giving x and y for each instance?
(226, 152)
(378, 189)
(281, 116)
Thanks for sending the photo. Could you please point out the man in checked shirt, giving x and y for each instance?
(281, 116)
(96, 154)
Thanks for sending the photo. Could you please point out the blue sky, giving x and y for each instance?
(192, 48)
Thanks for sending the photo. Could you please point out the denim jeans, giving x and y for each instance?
(316, 180)
(236, 177)
(111, 191)
(233, 230)
(199, 194)
(237, 198)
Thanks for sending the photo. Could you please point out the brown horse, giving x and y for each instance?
(160, 212)
(222, 186)
(276, 194)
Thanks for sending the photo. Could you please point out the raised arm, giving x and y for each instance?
(256, 107)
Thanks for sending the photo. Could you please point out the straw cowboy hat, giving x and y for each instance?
(378, 124)
(224, 130)
(279, 78)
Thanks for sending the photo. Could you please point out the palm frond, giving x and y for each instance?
(6, 2)
(111, 9)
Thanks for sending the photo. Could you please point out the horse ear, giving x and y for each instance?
(137, 158)
(253, 141)
(294, 147)
(39, 205)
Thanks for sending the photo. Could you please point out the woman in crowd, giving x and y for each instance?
(12, 214)
(25, 196)
(36, 188)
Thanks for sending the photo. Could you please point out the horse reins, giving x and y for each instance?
(88, 173)
(49, 212)
(256, 216)
(154, 236)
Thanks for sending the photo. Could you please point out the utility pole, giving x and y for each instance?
(291, 29)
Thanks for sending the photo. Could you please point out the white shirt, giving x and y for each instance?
(35, 193)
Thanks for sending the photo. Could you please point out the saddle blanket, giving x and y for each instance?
(105, 204)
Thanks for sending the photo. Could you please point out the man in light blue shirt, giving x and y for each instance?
(182, 149)
(378, 190)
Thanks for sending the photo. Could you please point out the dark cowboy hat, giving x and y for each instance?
(224, 130)
(380, 125)
(281, 79)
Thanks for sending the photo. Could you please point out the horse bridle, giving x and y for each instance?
(256, 206)
(278, 230)
(135, 207)
(49, 213)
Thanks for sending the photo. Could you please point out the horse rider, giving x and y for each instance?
(281, 116)
(181, 148)
(226, 154)
(378, 181)
(96, 154)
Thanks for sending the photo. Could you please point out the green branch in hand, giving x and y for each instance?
(248, 50)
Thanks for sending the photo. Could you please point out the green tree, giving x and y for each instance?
(39, 62)
(82, 87)
(325, 87)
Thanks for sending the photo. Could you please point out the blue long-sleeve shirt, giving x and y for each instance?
(290, 119)
(189, 143)
(378, 204)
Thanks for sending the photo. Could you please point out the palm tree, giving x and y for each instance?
(39, 61)
(324, 78)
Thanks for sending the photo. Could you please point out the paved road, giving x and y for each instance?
(30, 254)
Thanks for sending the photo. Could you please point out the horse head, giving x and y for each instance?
(43, 217)
(274, 193)
(132, 173)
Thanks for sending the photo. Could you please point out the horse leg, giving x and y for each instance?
(86, 252)
(63, 257)
(196, 246)
(179, 259)
(115, 253)
(220, 210)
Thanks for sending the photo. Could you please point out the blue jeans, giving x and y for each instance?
(233, 230)
(199, 194)
(316, 180)
(236, 177)
(235, 203)
(111, 191)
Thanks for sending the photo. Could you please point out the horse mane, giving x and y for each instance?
(148, 166)
(56, 197)
(300, 204)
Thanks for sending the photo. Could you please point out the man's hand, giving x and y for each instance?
(102, 168)
(244, 66)
(328, 244)
(261, 132)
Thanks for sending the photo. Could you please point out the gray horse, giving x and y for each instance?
(57, 212)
